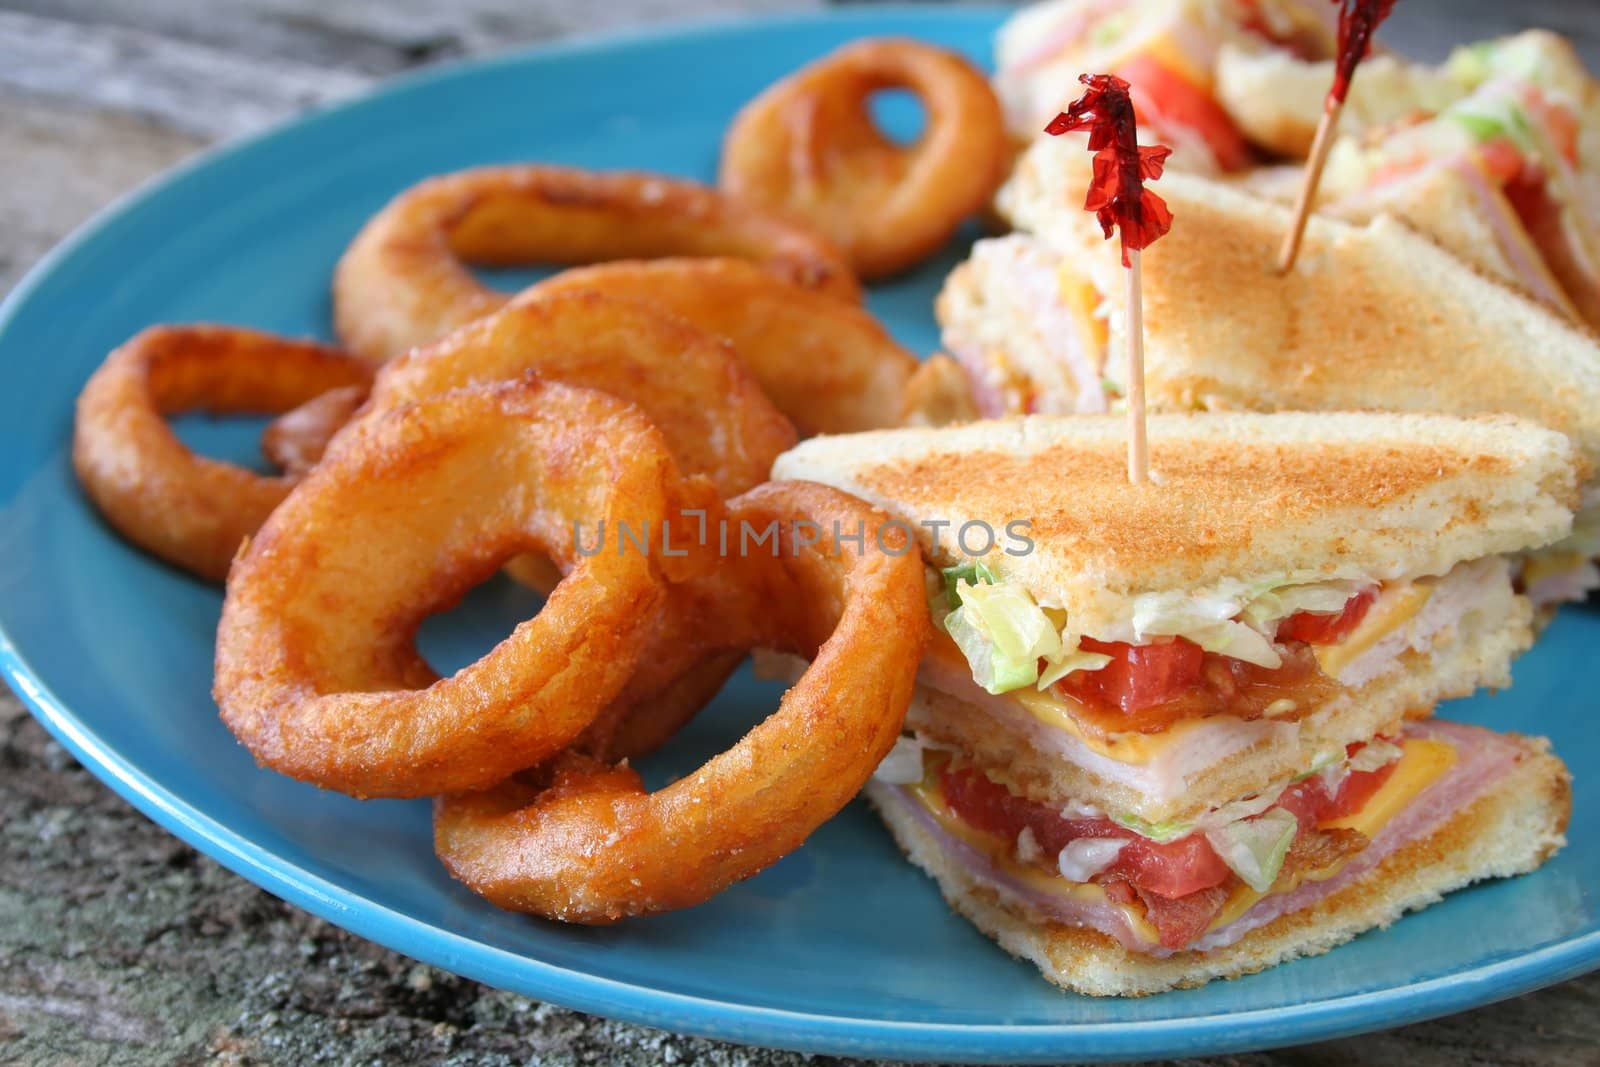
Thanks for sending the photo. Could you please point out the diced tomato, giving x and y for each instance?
(1142, 676)
(1559, 122)
(1166, 98)
(1172, 870)
(1503, 160)
(993, 808)
(1316, 629)
(1306, 801)
(1311, 803)
(1354, 792)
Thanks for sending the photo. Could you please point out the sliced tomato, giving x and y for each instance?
(1306, 801)
(1175, 869)
(1356, 789)
(1316, 629)
(1559, 122)
(1169, 870)
(1311, 803)
(994, 809)
(1503, 160)
(1167, 99)
(1141, 676)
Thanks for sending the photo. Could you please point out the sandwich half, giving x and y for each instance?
(1177, 731)
(1373, 317)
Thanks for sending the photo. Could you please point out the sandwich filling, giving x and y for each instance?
(1255, 650)
(1202, 884)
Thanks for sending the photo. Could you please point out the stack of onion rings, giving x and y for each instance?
(404, 281)
(317, 672)
(184, 508)
(582, 841)
(809, 147)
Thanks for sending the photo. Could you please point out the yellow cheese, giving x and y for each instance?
(1421, 763)
(1395, 606)
(1080, 295)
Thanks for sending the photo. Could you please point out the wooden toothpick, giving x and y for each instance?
(1323, 143)
(1358, 21)
(1138, 445)
(1124, 207)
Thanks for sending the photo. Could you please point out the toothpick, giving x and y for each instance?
(1138, 445)
(1308, 188)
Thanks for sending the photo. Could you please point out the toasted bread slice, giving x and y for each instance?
(1373, 316)
(1235, 499)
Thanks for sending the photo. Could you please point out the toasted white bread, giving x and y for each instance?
(1372, 317)
(1511, 829)
(1234, 498)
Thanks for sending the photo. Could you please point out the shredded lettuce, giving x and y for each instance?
(1322, 598)
(1086, 857)
(1165, 832)
(903, 764)
(1159, 832)
(1208, 622)
(1070, 660)
(1002, 633)
(1005, 633)
(1255, 849)
(972, 573)
(1375, 754)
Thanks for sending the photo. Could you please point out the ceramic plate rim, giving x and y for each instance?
(703, 1016)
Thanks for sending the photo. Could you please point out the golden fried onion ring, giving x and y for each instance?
(808, 146)
(829, 366)
(184, 508)
(714, 416)
(582, 841)
(294, 441)
(404, 281)
(317, 672)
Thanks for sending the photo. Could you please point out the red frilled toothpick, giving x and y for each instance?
(1123, 205)
(1358, 21)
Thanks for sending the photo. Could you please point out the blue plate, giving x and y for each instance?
(842, 947)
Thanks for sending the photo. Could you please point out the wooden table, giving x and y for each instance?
(119, 944)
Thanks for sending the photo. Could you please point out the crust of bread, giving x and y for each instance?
(1233, 498)
(1477, 654)
(1510, 830)
(1373, 315)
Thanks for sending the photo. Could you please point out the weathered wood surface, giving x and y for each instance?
(120, 945)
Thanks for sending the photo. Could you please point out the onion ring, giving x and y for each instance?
(939, 394)
(808, 146)
(187, 509)
(829, 366)
(582, 841)
(715, 418)
(294, 442)
(317, 672)
(403, 281)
